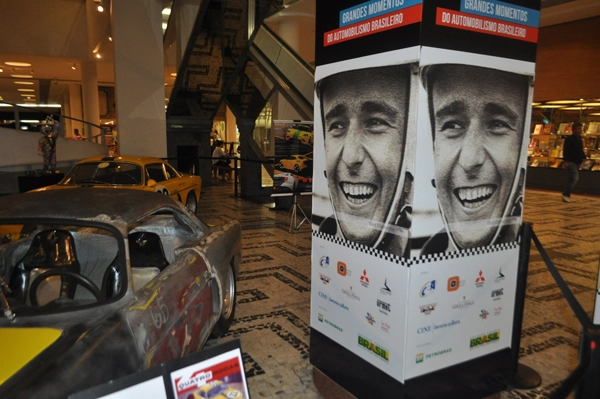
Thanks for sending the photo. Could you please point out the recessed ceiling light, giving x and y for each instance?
(25, 90)
(22, 76)
(18, 64)
(100, 8)
(548, 106)
(27, 95)
(23, 83)
(73, 67)
(173, 74)
(591, 104)
(573, 108)
(98, 55)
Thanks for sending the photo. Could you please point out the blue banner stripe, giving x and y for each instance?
(503, 11)
(372, 9)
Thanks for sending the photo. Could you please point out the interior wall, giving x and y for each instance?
(568, 61)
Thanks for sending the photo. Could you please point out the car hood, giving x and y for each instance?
(21, 345)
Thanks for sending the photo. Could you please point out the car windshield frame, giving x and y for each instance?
(105, 173)
(119, 261)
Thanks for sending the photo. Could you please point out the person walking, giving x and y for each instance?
(573, 155)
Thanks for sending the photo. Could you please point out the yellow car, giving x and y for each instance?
(295, 163)
(300, 135)
(139, 173)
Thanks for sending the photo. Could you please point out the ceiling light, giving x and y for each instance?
(573, 108)
(18, 64)
(548, 106)
(563, 102)
(534, 104)
(591, 104)
(22, 76)
(23, 83)
(173, 74)
(25, 90)
(100, 8)
(1, 70)
(98, 55)
(166, 11)
(110, 38)
(594, 113)
(164, 26)
(73, 67)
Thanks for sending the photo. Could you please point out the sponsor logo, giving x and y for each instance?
(324, 278)
(421, 356)
(500, 276)
(480, 280)
(385, 290)
(427, 309)
(364, 280)
(351, 294)
(484, 339)
(484, 314)
(370, 318)
(385, 326)
(384, 307)
(374, 348)
(324, 262)
(497, 311)
(465, 303)
(425, 329)
(322, 319)
(453, 283)
(341, 268)
(427, 289)
(335, 302)
(496, 294)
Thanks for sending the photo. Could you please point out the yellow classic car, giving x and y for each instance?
(135, 172)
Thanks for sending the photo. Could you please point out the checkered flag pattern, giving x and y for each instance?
(362, 248)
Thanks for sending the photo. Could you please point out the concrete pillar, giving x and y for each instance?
(89, 85)
(76, 110)
(139, 77)
(230, 126)
(186, 16)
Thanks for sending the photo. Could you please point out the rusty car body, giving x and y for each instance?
(133, 172)
(100, 284)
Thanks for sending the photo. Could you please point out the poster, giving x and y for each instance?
(420, 157)
(293, 157)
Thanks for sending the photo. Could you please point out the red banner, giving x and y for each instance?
(475, 23)
(396, 19)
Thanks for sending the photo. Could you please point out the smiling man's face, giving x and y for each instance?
(478, 117)
(364, 115)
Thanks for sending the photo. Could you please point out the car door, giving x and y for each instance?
(174, 313)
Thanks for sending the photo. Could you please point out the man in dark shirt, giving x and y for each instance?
(573, 154)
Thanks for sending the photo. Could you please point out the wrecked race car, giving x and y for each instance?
(99, 284)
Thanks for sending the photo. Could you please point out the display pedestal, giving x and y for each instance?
(328, 388)
(28, 183)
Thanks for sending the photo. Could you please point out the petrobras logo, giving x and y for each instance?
(322, 319)
(342, 269)
(364, 280)
(480, 280)
(454, 283)
(484, 314)
(324, 261)
(421, 356)
(500, 277)
(465, 303)
(325, 279)
(385, 290)
(370, 318)
(427, 309)
(374, 348)
(385, 327)
(351, 294)
(496, 294)
(384, 307)
(484, 339)
(427, 289)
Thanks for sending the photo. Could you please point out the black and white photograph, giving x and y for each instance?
(363, 130)
(477, 115)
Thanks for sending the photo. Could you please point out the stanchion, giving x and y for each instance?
(522, 376)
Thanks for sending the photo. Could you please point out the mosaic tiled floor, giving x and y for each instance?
(272, 315)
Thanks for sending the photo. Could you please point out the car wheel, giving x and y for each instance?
(228, 312)
(191, 202)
